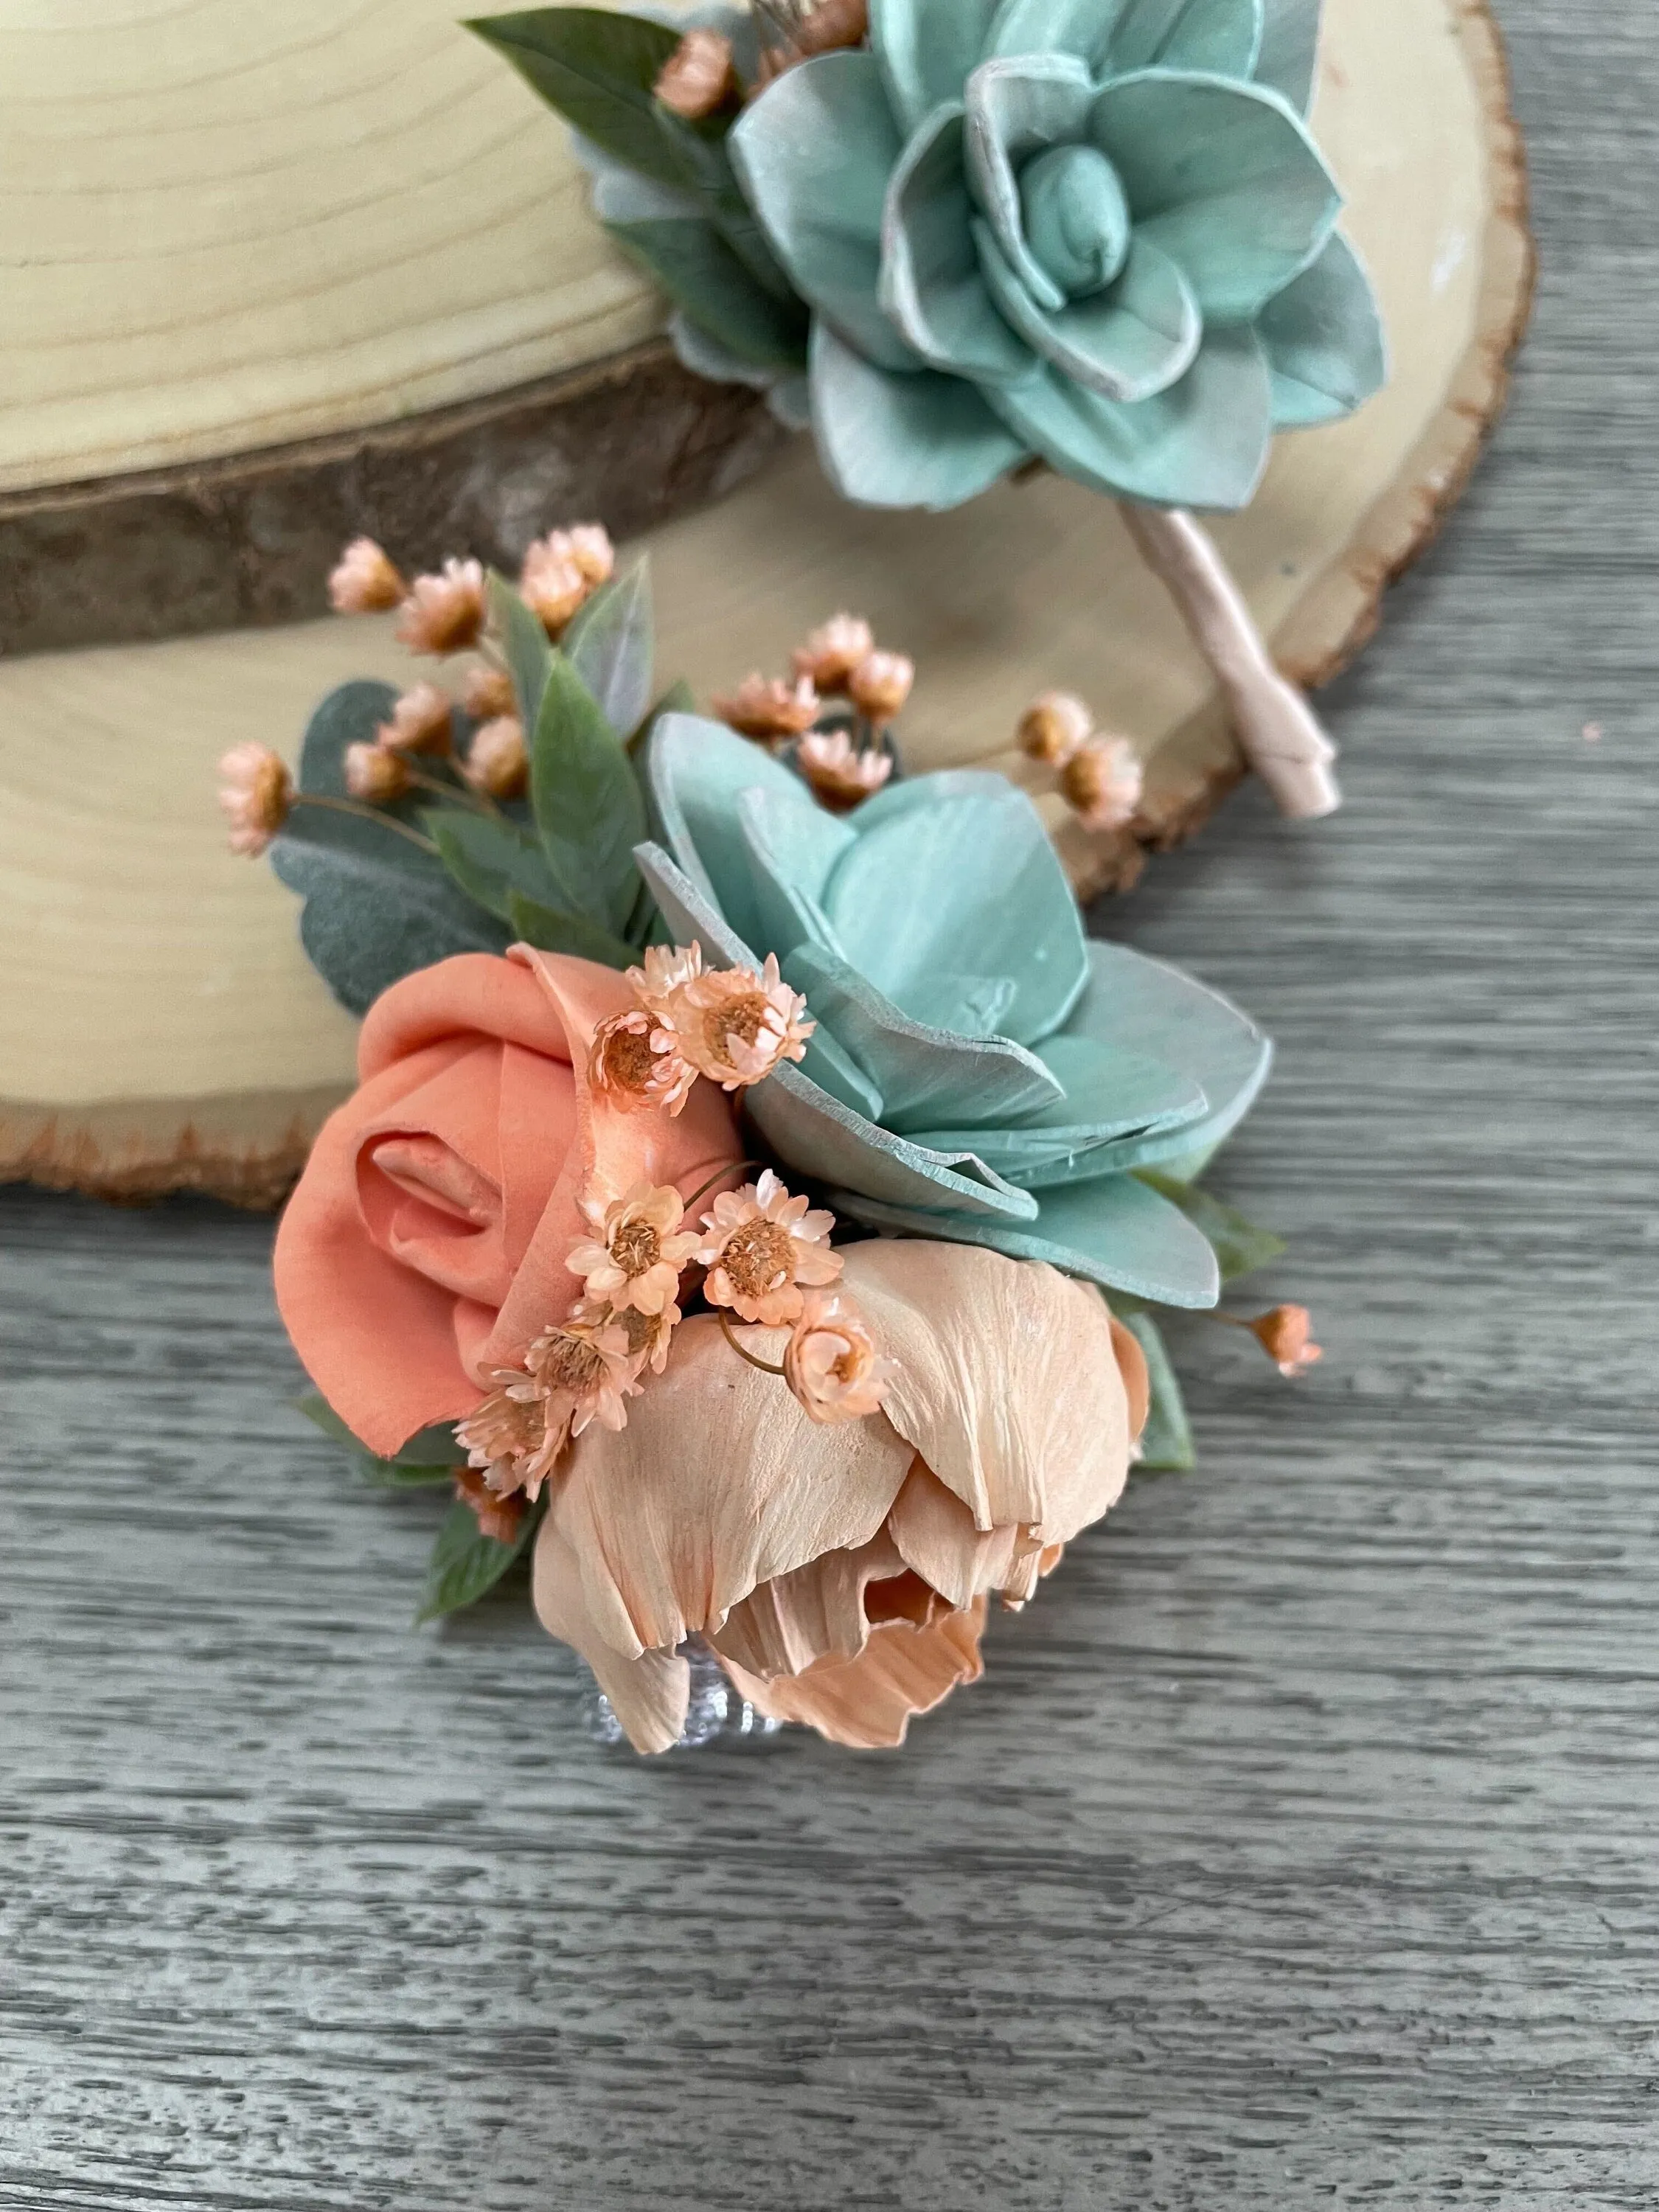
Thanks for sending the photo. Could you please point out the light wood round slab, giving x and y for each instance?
(159, 1025)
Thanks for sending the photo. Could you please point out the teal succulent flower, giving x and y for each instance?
(1098, 231)
(980, 1072)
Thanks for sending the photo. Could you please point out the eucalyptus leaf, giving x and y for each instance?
(377, 906)
(550, 930)
(529, 655)
(586, 801)
(489, 860)
(1166, 1442)
(677, 699)
(598, 70)
(1240, 1247)
(611, 644)
(465, 1564)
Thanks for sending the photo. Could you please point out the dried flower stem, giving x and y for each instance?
(365, 814)
(764, 1365)
(479, 801)
(737, 1168)
(1281, 736)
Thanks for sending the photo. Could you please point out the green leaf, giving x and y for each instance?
(611, 645)
(690, 260)
(1166, 1442)
(585, 798)
(598, 70)
(430, 1457)
(529, 655)
(377, 906)
(465, 1563)
(677, 699)
(316, 1410)
(705, 162)
(550, 930)
(489, 860)
(1239, 1246)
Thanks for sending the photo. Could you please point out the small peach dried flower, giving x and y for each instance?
(735, 1026)
(761, 1247)
(840, 774)
(363, 581)
(444, 613)
(832, 1362)
(584, 1372)
(767, 707)
(1285, 1334)
(256, 791)
(500, 1518)
(551, 586)
(487, 692)
(1053, 727)
(375, 773)
(420, 722)
(698, 78)
(635, 1064)
(667, 969)
(507, 1438)
(880, 684)
(1103, 782)
(833, 651)
(637, 1251)
(496, 761)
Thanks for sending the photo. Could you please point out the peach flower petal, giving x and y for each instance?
(650, 1694)
(866, 1702)
(1137, 1381)
(717, 1483)
(935, 1535)
(1007, 1382)
(816, 1612)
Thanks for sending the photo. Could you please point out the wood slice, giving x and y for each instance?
(159, 1026)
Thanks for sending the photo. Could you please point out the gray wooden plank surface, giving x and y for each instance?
(1298, 1850)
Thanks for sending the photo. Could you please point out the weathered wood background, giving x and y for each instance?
(1299, 1850)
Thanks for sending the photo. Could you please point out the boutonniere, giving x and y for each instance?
(961, 240)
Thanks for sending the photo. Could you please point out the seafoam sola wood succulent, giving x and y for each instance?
(963, 236)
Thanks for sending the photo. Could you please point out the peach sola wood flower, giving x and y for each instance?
(840, 1572)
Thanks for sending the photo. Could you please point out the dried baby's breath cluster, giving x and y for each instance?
(761, 1254)
(447, 613)
(1099, 776)
(836, 708)
(444, 615)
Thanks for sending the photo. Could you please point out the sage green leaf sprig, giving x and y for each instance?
(664, 184)
(420, 824)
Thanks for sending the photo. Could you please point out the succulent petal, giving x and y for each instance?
(1203, 442)
(814, 153)
(1224, 177)
(930, 284)
(1128, 342)
(1324, 341)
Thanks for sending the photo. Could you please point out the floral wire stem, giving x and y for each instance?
(764, 1365)
(738, 1167)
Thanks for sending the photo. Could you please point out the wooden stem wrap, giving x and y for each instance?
(1280, 735)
